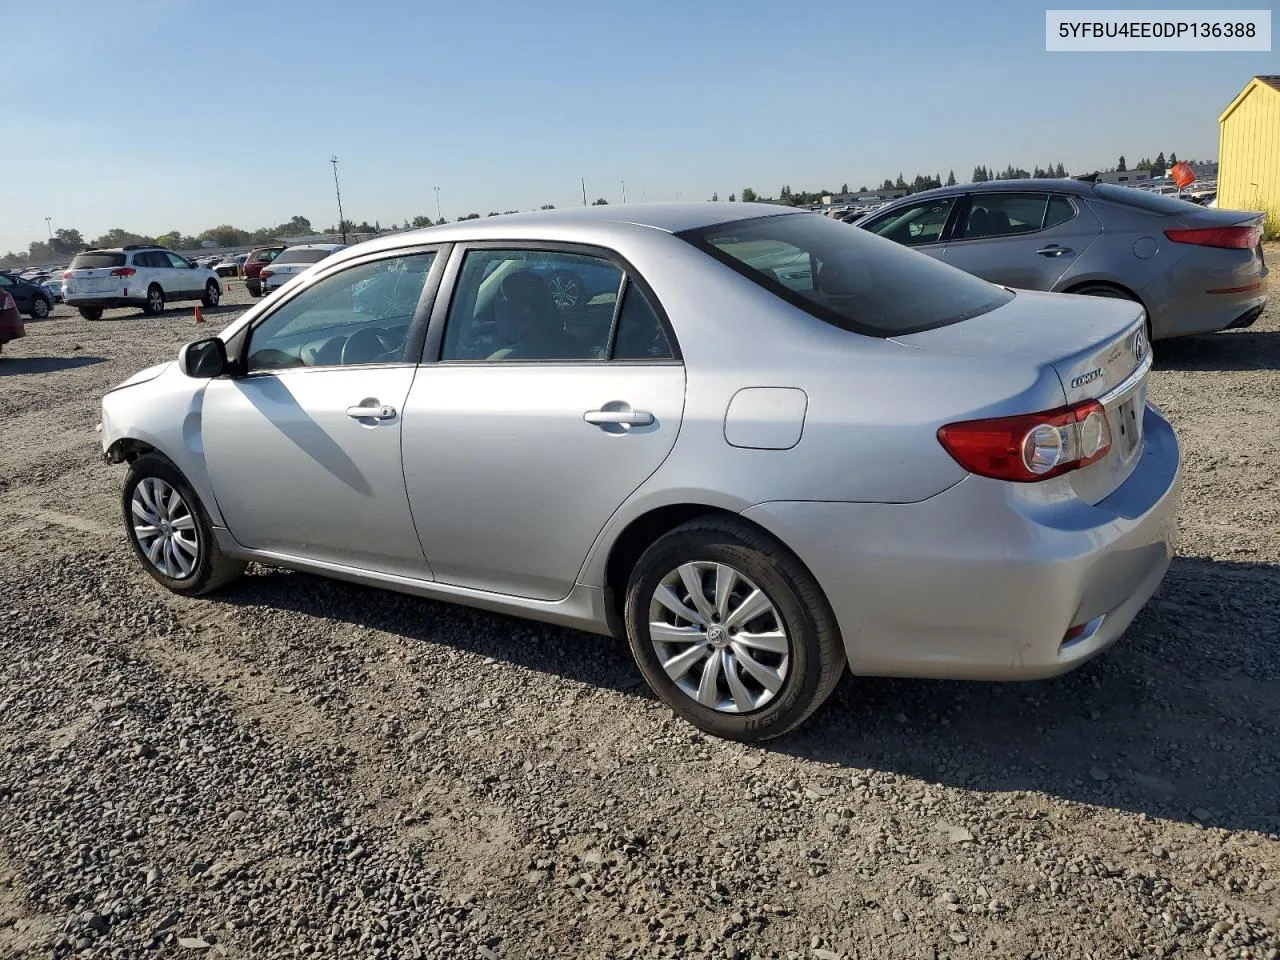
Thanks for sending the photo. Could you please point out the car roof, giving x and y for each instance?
(600, 221)
(313, 246)
(1047, 185)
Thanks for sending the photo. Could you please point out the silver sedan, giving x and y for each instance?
(770, 448)
(1194, 270)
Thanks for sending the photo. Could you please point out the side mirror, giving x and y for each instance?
(203, 359)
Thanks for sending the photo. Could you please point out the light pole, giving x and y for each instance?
(439, 215)
(342, 222)
(624, 191)
(48, 222)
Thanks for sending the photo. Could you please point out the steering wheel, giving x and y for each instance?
(364, 346)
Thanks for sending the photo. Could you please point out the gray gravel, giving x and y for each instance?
(300, 767)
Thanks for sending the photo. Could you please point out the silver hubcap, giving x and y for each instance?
(564, 292)
(165, 528)
(156, 300)
(213, 294)
(40, 309)
(719, 637)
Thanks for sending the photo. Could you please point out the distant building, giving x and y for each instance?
(1249, 150)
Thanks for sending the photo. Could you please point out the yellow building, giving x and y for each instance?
(1249, 151)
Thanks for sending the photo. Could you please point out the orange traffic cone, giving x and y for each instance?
(199, 314)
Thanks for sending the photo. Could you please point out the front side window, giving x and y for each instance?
(916, 223)
(532, 305)
(1002, 215)
(845, 275)
(176, 261)
(360, 315)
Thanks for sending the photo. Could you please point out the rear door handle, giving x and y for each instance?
(1053, 250)
(370, 412)
(631, 418)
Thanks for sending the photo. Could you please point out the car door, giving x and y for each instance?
(921, 225)
(537, 420)
(1022, 240)
(303, 448)
(185, 279)
(151, 268)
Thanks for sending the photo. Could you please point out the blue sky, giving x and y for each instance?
(154, 116)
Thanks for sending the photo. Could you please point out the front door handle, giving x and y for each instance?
(630, 418)
(370, 411)
(1053, 250)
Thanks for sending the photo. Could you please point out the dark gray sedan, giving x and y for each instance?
(1194, 270)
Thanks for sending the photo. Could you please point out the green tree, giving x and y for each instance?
(1120, 165)
(715, 197)
(749, 195)
(600, 202)
(1173, 158)
(887, 185)
(951, 178)
(547, 206)
(441, 222)
(732, 198)
(900, 184)
(469, 216)
(421, 221)
(844, 188)
(862, 189)
(980, 174)
(1060, 171)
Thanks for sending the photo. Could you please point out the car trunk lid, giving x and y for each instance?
(1098, 349)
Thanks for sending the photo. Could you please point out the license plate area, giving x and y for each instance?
(1126, 424)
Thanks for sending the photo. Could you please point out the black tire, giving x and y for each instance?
(41, 308)
(212, 294)
(155, 301)
(212, 568)
(816, 653)
(91, 313)
(254, 287)
(567, 290)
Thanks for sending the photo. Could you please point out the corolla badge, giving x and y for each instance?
(1084, 378)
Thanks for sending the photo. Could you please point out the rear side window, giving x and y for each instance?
(640, 335)
(1151, 202)
(1060, 211)
(96, 261)
(301, 256)
(846, 276)
(1003, 215)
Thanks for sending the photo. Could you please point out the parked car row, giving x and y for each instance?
(29, 296)
(771, 449)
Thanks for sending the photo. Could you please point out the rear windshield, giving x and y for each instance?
(94, 261)
(1154, 202)
(302, 256)
(847, 276)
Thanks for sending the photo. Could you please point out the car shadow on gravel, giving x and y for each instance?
(1180, 720)
(13, 366)
(1231, 350)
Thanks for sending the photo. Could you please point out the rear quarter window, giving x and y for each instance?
(96, 261)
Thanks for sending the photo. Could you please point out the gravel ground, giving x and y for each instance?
(301, 767)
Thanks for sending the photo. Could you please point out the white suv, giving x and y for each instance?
(137, 276)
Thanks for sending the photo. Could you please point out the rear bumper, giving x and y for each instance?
(984, 580)
(1180, 303)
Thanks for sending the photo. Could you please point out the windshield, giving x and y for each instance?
(847, 276)
(96, 261)
(302, 256)
(1154, 202)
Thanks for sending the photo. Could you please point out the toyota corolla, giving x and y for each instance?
(772, 450)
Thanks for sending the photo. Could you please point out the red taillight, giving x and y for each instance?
(264, 274)
(1233, 238)
(1033, 446)
(6, 301)
(123, 272)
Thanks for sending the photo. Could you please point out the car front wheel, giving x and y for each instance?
(212, 294)
(40, 308)
(91, 313)
(731, 631)
(169, 530)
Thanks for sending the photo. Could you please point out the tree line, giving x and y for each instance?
(1152, 168)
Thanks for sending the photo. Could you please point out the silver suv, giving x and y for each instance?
(135, 276)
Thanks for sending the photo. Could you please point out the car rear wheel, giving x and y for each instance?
(170, 532)
(40, 308)
(155, 300)
(731, 631)
(212, 294)
(91, 313)
(567, 290)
